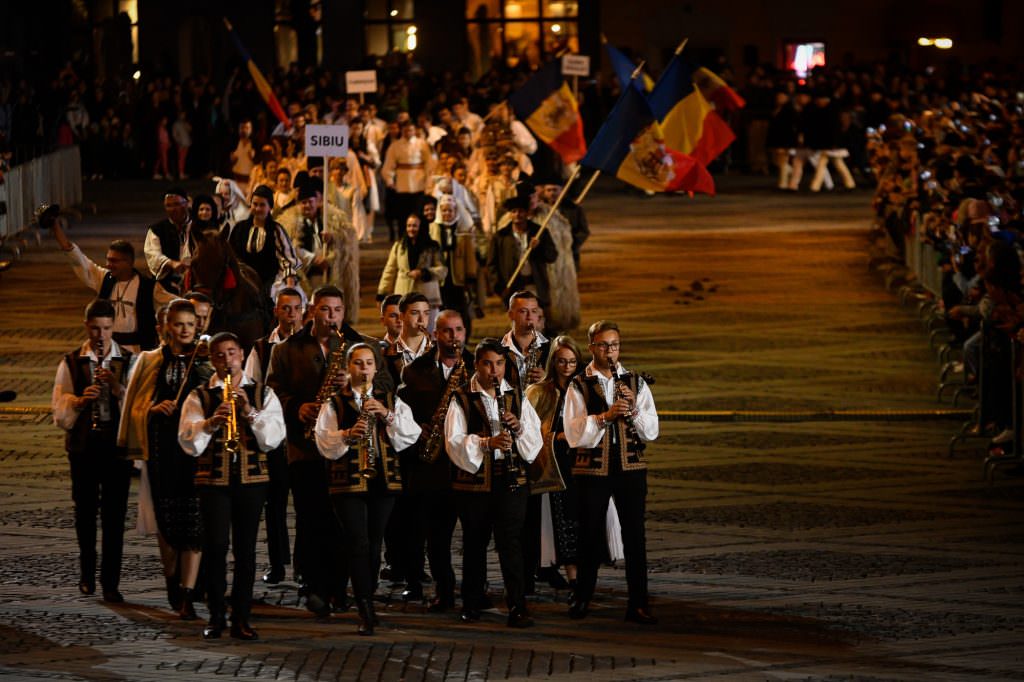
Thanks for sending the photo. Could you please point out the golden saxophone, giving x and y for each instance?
(531, 359)
(368, 446)
(432, 448)
(232, 444)
(335, 367)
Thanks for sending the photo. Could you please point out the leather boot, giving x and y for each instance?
(366, 616)
(173, 592)
(187, 611)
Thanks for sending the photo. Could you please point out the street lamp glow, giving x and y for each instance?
(394, 12)
(924, 42)
(556, 28)
(137, 75)
(944, 43)
(411, 30)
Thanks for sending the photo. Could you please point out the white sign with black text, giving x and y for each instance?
(360, 81)
(576, 65)
(327, 141)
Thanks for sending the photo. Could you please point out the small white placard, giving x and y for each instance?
(360, 81)
(576, 65)
(327, 141)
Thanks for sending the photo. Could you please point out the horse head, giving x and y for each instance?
(211, 262)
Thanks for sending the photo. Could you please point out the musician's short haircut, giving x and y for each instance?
(288, 291)
(123, 247)
(197, 297)
(488, 345)
(100, 307)
(601, 326)
(328, 291)
(523, 294)
(223, 337)
(180, 305)
(388, 301)
(451, 312)
(359, 346)
(409, 299)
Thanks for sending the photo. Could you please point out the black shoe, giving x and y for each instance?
(187, 611)
(319, 607)
(579, 609)
(214, 628)
(367, 618)
(113, 597)
(519, 618)
(440, 605)
(173, 592)
(243, 631)
(339, 604)
(386, 572)
(640, 615)
(553, 578)
(86, 587)
(469, 615)
(413, 593)
(274, 575)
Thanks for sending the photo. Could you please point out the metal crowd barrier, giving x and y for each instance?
(54, 178)
(922, 259)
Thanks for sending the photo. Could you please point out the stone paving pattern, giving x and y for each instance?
(838, 550)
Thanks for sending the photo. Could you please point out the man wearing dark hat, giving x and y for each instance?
(549, 188)
(261, 243)
(169, 243)
(509, 243)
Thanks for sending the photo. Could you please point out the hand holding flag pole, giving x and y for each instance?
(543, 226)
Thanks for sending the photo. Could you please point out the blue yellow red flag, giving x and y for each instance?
(624, 67)
(262, 86)
(630, 145)
(546, 104)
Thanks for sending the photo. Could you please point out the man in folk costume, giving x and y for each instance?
(548, 191)
(87, 393)
(510, 242)
(492, 434)
(562, 306)
(230, 429)
(609, 417)
(408, 164)
(330, 248)
(234, 206)
(261, 243)
(170, 242)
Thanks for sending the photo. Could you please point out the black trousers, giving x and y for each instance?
(318, 538)
(629, 488)
(531, 539)
(363, 517)
(278, 543)
(233, 509)
(432, 521)
(396, 539)
(501, 511)
(99, 483)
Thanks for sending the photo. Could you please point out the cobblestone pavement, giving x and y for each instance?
(838, 550)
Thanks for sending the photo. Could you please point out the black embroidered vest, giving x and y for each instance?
(214, 466)
(144, 335)
(625, 444)
(477, 421)
(343, 473)
(77, 439)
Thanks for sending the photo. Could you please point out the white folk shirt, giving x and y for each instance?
(123, 295)
(464, 449)
(155, 257)
(253, 365)
(403, 431)
(409, 354)
(582, 430)
(63, 401)
(267, 426)
(408, 163)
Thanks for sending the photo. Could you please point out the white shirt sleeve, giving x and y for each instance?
(523, 138)
(530, 438)
(155, 258)
(463, 448)
(268, 426)
(192, 436)
(90, 274)
(403, 431)
(253, 369)
(330, 440)
(646, 418)
(581, 429)
(63, 403)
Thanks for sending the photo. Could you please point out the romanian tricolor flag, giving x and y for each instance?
(630, 146)
(546, 104)
(623, 68)
(717, 91)
(257, 76)
(690, 123)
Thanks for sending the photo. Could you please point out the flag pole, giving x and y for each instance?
(586, 188)
(679, 49)
(543, 226)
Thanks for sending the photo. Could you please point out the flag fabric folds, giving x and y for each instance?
(623, 68)
(546, 104)
(689, 122)
(631, 146)
(266, 92)
(716, 91)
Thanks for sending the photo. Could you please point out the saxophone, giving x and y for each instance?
(103, 399)
(515, 464)
(232, 443)
(531, 359)
(432, 448)
(368, 448)
(335, 367)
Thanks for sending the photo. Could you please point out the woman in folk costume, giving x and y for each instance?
(456, 237)
(361, 431)
(559, 522)
(330, 249)
(365, 150)
(159, 383)
(414, 264)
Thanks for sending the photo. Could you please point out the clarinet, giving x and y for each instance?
(513, 462)
(368, 448)
(104, 396)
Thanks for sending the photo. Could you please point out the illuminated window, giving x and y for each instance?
(802, 58)
(389, 26)
(511, 31)
(131, 8)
